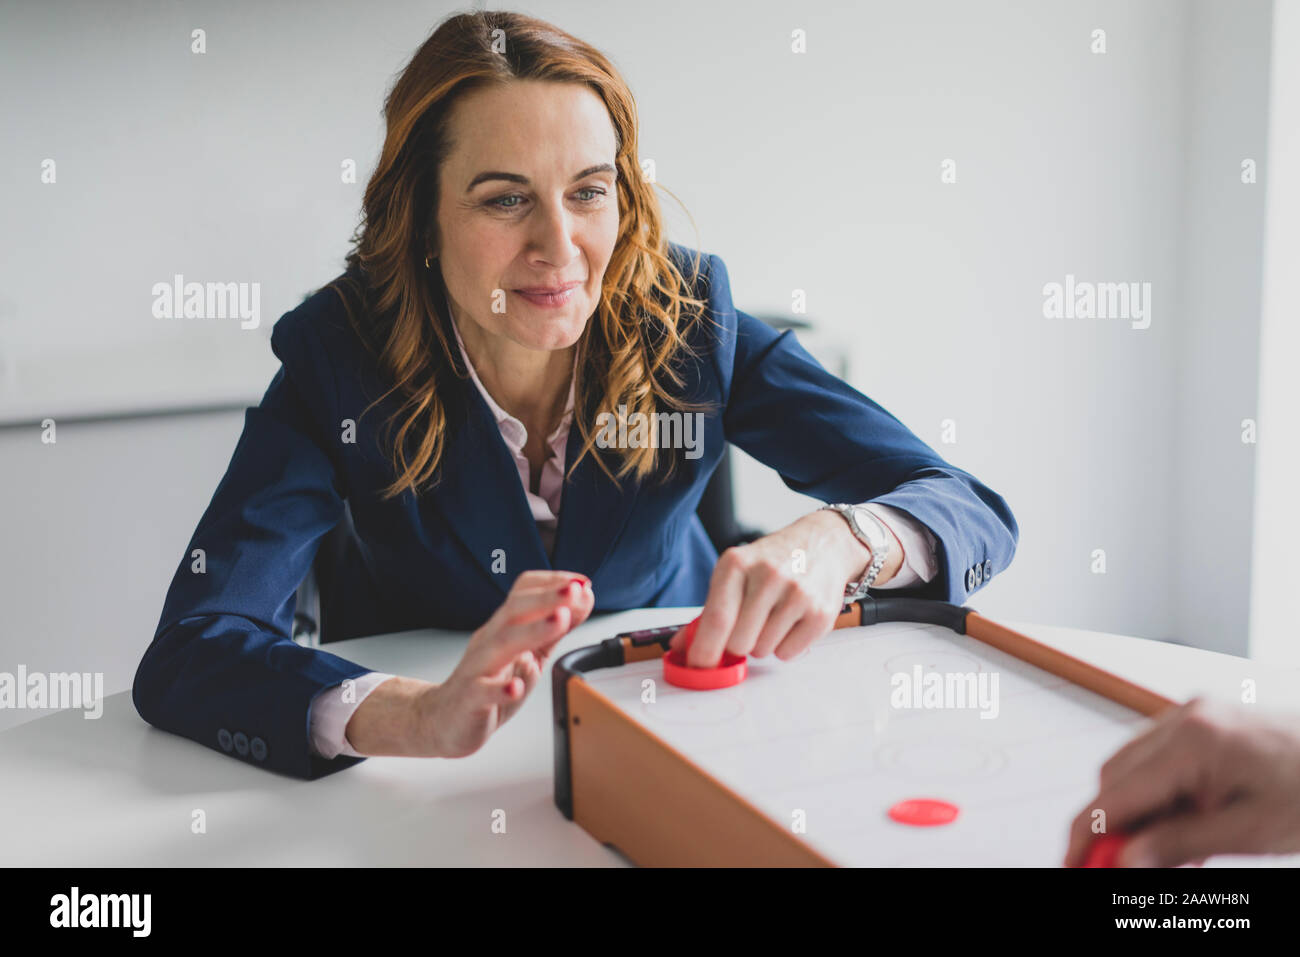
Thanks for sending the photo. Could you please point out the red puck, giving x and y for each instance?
(923, 812)
(730, 671)
(1104, 851)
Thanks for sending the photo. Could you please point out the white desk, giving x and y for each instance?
(118, 792)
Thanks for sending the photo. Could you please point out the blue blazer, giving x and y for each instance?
(222, 668)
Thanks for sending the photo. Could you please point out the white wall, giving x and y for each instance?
(1114, 167)
(1276, 559)
(817, 172)
(1217, 355)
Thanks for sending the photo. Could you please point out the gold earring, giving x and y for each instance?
(426, 263)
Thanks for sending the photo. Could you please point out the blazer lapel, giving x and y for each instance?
(481, 498)
(593, 511)
(479, 493)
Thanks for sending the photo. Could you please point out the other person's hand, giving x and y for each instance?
(1205, 779)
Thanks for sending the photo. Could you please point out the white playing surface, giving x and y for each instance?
(819, 735)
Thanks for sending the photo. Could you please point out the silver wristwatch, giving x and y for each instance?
(870, 532)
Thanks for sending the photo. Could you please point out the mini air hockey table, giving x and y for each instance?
(916, 733)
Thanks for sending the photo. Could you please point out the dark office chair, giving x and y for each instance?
(717, 511)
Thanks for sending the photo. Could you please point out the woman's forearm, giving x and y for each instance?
(389, 720)
(853, 555)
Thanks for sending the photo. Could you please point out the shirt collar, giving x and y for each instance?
(508, 424)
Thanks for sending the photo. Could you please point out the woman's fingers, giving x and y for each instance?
(496, 644)
(530, 671)
(521, 678)
(585, 603)
(541, 608)
(525, 604)
(759, 603)
(503, 661)
(513, 690)
(780, 622)
(764, 587)
(721, 606)
(577, 593)
(513, 641)
(544, 578)
(543, 652)
(815, 623)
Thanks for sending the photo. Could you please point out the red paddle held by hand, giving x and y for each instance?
(730, 671)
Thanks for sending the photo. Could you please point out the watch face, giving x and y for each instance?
(871, 528)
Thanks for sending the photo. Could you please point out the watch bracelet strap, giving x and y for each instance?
(854, 591)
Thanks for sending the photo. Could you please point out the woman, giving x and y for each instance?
(510, 291)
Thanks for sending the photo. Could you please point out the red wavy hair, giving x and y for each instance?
(627, 354)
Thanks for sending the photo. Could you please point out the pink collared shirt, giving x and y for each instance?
(330, 713)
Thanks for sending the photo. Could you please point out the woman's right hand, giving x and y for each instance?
(502, 662)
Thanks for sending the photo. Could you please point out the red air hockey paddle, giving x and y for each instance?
(730, 671)
(1104, 851)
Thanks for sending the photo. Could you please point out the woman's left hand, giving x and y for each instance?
(782, 592)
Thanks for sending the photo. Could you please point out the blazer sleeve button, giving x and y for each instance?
(223, 739)
(241, 743)
(258, 747)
